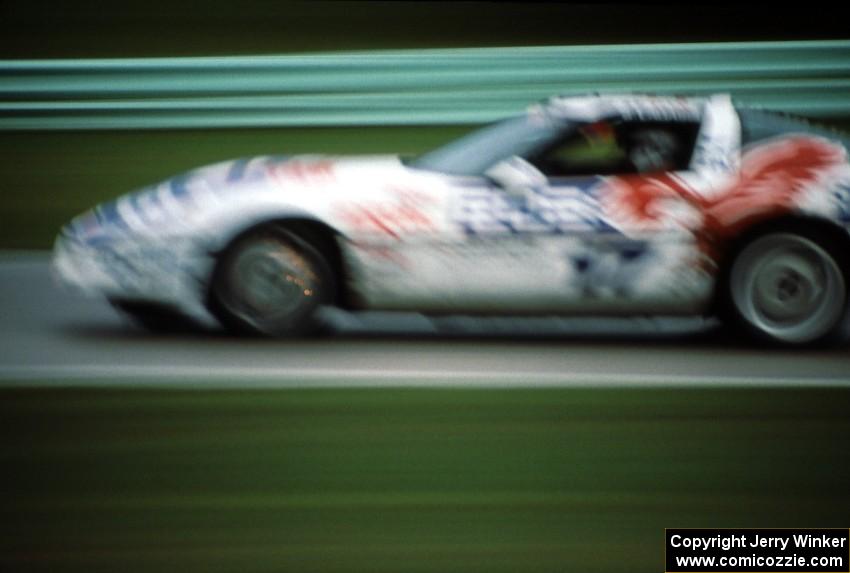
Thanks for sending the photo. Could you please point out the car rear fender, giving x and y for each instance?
(828, 230)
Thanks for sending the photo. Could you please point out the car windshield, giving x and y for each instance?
(474, 153)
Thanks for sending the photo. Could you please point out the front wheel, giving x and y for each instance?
(270, 282)
(790, 288)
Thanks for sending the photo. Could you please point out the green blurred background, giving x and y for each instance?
(373, 480)
(50, 176)
(409, 479)
(135, 28)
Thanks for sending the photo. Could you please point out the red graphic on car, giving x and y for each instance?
(770, 182)
(316, 172)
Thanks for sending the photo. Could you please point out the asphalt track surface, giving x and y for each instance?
(54, 337)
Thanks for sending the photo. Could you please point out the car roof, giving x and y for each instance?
(756, 123)
(596, 107)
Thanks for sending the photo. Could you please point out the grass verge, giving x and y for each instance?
(406, 479)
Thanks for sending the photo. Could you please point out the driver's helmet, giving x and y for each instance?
(653, 150)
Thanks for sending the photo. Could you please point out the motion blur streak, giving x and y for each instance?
(50, 333)
(405, 480)
(184, 478)
(410, 87)
(187, 377)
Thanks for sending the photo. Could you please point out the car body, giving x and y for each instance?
(601, 204)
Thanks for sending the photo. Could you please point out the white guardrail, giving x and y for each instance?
(415, 87)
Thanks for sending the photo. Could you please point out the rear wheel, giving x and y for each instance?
(789, 288)
(270, 282)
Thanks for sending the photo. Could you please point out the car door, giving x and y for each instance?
(592, 222)
(593, 219)
(614, 217)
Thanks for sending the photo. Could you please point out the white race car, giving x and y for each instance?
(615, 205)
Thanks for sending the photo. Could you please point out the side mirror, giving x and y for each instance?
(516, 176)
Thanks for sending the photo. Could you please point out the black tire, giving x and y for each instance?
(270, 282)
(155, 317)
(789, 287)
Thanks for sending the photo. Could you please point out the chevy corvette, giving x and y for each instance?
(596, 205)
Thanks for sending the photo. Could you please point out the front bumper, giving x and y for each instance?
(161, 271)
(84, 268)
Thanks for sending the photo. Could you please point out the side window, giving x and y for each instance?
(611, 148)
(587, 150)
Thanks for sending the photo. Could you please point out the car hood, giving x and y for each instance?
(312, 184)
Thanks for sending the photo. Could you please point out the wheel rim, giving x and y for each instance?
(789, 287)
(269, 282)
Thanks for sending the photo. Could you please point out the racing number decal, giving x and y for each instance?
(574, 208)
